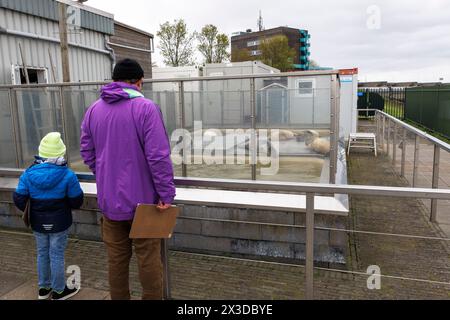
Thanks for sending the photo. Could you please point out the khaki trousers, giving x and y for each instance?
(120, 248)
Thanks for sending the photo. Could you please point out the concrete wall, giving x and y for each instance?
(195, 233)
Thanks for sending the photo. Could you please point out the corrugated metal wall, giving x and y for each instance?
(48, 9)
(42, 8)
(85, 65)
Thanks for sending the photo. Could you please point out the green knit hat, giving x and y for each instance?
(52, 146)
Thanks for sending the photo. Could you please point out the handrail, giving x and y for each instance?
(445, 146)
(293, 187)
(442, 144)
(176, 80)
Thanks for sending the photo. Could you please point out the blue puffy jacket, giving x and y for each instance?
(54, 191)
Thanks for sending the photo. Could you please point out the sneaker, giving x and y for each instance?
(44, 293)
(66, 294)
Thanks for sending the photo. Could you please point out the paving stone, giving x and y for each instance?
(9, 281)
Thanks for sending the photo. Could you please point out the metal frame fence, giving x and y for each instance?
(390, 131)
(384, 125)
(393, 101)
(334, 110)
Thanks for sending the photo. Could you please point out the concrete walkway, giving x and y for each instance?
(425, 168)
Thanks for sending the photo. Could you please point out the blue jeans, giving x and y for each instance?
(50, 259)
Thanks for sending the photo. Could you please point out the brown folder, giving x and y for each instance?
(150, 223)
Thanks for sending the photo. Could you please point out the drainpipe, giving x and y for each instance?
(112, 55)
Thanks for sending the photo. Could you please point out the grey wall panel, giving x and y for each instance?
(87, 38)
(42, 8)
(26, 23)
(89, 66)
(48, 9)
(86, 65)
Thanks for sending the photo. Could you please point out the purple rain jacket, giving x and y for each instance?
(125, 144)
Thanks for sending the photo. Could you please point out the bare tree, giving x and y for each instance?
(176, 43)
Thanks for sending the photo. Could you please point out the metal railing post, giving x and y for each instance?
(222, 107)
(394, 144)
(181, 105)
(402, 169)
(435, 182)
(253, 145)
(416, 161)
(64, 123)
(13, 110)
(383, 132)
(377, 121)
(309, 267)
(333, 130)
(388, 137)
(166, 271)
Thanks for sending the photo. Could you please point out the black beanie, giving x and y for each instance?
(127, 69)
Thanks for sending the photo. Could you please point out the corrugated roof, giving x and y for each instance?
(48, 9)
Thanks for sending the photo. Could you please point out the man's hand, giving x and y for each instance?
(161, 206)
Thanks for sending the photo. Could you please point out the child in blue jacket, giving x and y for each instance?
(53, 191)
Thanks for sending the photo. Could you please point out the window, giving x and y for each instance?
(253, 43)
(35, 75)
(305, 87)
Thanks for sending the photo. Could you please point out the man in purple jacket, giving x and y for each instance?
(124, 143)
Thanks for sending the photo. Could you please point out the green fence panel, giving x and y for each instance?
(429, 107)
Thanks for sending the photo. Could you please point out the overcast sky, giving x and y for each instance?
(409, 42)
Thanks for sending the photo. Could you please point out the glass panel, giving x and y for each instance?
(166, 96)
(77, 100)
(293, 121)
(218, 119)
(39, 113)
(7, 154)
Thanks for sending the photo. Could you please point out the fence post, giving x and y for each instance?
(383, 132)
(377, 125)
(13, 109)
(222, 107)
(253, 145)
(183, 126)
(388, 137)
(402, 170)
(404, 104)
(166, 274)
(64, 123)
(435, 182)
(309, 268)
(394, 144)
(416, 160)
(334, 131)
